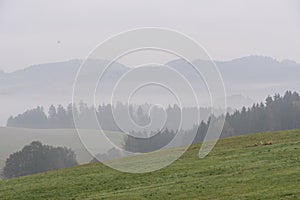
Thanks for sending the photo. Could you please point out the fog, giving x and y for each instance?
(34, 32)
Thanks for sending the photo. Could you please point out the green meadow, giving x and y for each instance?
(254, 166)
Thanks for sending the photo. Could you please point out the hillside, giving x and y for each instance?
(238, 168)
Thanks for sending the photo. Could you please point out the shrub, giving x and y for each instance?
(37, 158)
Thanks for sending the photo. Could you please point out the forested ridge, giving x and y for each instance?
(59, 117)
(276, 113)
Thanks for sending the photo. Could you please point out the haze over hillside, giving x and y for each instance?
(247, 80)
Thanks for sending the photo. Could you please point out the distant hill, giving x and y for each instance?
(256, 166)
(43, 84)
(52, 83)
(251, 77)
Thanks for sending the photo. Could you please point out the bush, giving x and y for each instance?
(37, 158)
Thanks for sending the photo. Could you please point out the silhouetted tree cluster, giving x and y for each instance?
(277, 113)
(37, 158)
(60, 117)
(36, 118)
(144, 143)
(27, 119)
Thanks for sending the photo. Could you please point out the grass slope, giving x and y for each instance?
(235, 169)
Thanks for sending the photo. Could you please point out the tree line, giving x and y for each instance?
(276, 113)
(59, 117)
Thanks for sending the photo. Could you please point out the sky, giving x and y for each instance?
(41, 31)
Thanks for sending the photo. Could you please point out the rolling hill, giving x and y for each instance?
(255, 166)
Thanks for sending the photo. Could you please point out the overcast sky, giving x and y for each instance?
(33, 32)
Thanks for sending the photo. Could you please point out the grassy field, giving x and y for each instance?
(238, 168)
